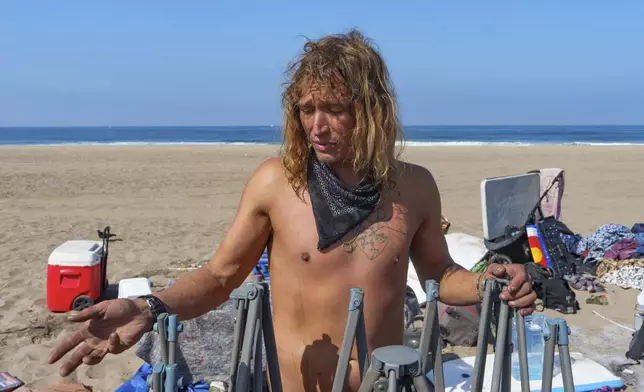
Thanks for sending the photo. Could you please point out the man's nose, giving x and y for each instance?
(320, 124)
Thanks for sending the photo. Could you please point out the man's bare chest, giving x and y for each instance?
(382, 238)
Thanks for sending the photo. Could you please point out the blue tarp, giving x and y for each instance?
(138, 382)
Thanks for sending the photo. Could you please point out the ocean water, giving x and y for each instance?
(414, 135)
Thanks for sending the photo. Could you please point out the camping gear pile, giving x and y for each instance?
(390, 368)
(539, 245)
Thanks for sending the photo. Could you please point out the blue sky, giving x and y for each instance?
(221, 63)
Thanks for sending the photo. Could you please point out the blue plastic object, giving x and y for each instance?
(261, 269)
(138, 382)
(535, 327)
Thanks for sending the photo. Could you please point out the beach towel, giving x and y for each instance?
(552, 184)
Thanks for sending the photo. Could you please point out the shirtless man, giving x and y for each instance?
(337, 210)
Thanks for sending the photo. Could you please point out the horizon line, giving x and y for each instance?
(280, 125)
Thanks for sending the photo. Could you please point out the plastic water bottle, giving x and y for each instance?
(534, 328)
(639, 311)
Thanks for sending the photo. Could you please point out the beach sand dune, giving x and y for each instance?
(170, 206)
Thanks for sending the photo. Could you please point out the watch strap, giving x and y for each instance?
(156, 306)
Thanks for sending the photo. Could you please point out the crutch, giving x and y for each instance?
(253, 325)
(165, 377)
(557, 334)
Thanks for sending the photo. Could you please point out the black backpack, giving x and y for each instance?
(554, 292)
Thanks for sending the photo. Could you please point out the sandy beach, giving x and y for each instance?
(170, 206)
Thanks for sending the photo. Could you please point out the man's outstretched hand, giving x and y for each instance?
(518, 292)
(107, 327)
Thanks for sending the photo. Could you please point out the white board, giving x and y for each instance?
(507, 201)
(587, 374)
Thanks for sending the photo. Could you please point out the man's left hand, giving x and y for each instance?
(518, 292)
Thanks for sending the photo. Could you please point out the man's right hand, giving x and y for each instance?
(108, 327)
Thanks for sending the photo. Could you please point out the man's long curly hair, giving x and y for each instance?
(346, 63)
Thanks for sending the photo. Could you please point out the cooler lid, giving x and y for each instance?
(77, 253)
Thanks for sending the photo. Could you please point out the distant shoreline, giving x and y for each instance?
(272, 135)
(267, 144)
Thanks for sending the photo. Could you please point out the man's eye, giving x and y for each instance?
(306, 111)
(337, 109)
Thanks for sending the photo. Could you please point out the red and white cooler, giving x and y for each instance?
(75, 275)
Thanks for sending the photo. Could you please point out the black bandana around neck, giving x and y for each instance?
(337, 208)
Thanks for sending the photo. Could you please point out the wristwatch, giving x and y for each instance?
(156, 306)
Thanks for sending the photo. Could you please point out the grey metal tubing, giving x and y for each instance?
(371, 376)
(272, 362)
(242, 307)
(163, 336)
(548, 355)
(421, 384)
(362, 345)
(522, 352)
(393, 381)
(157, 371)
(484, 334)
(355, 309)
(173, 332)
(439, 378)
(506, 380)
(500, 347)
(430, 327)
(243, 374)
(258, 375)
(564, 355)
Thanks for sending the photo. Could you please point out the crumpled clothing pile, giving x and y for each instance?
(629, 277)
(599, 242)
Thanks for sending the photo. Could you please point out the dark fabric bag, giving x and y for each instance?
(554, 293)
(513, 244)
(459, 325)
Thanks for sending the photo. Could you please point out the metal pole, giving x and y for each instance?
(548, 355)
(161, 328)
(269, 341)
(243, 374)
(500, 347)
(171, 367)
(258, 375)
(242, 309)
(506, 385)
(427, 342)
(362, 345)
(484, 331)
(393, 382)
(564, 355)
(157, 380)
(439, 378)
(523, 352)
(355, 309)
(371, 376)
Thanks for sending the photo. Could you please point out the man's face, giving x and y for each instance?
(328, 121)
